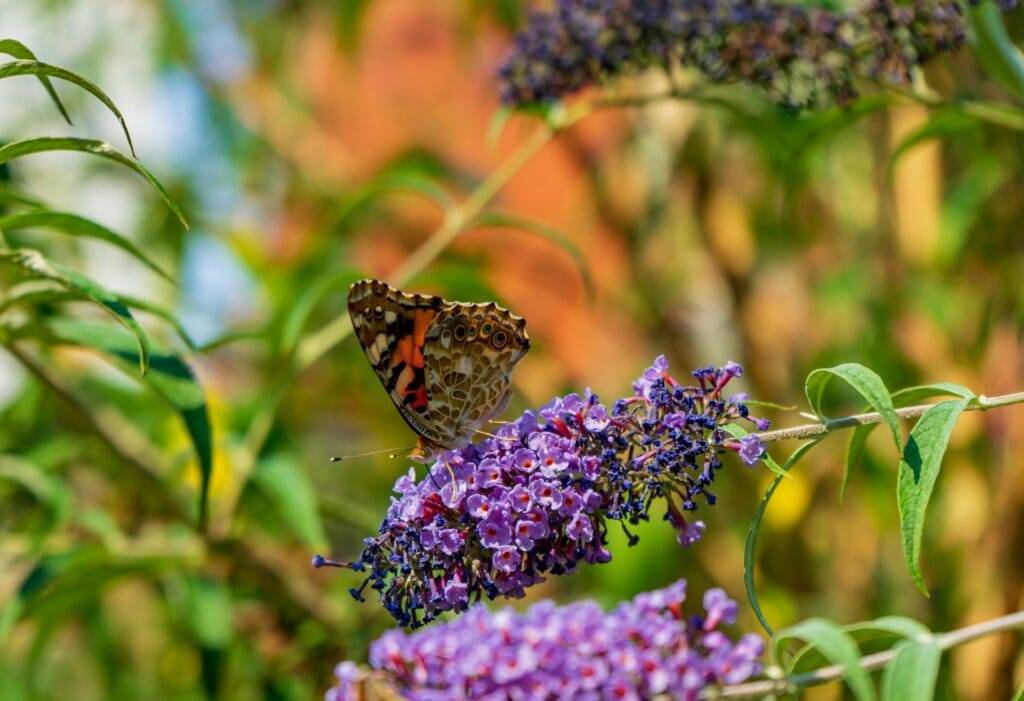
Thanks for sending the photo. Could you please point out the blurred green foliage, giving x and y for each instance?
(313, 143)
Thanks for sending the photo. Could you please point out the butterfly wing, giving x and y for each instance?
(391, 327)
(446, 365)
(470, 353)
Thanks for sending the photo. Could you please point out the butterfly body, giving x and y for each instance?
(445, 365)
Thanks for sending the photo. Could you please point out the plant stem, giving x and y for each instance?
(461, 217)
(823, 675)
(910, 412)
(456, 221)
(134, 452)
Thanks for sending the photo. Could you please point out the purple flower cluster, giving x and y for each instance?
(642, 649)
(801, 54)
(498, 516)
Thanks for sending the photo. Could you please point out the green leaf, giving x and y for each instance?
(45, 70)
(49, 295)
(17, 149)
(79, 226)
(867, 383)
(289, 488)
(854, 454)
(15, 48)
(871, 636)
(163, 314)
(918, 470)
(299, 311)
(837, 647)
(208, 609)
(995, 49)
(390, 183)
(917, 393)
(36, 265)
(902, 397)
(45, 488)
(169, 376)
(769, 405)
(939, 125)
(12, 196)
(871, 388)
(737, 431)
(501, 219)
(231, 337)
(913, 672)
(750, 548)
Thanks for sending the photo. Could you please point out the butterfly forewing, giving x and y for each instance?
(391, 327)
(445, 365)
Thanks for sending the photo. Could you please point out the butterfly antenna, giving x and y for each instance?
(394, 453)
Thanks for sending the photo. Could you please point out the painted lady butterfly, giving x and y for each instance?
(445, 365)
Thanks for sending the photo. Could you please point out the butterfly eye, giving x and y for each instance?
(460, 332)
(486, 329)
(499, 340)
(471, 332)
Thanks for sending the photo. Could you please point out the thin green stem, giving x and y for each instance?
(820, 428)
(791, 685)
(457, 220)
(141, 458)
(462, 217)
(1006, 116)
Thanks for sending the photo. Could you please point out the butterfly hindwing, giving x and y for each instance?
(471, 351)
(445, 365)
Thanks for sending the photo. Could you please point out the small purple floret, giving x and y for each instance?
(751, 449)
(643, 649)
(537, 498)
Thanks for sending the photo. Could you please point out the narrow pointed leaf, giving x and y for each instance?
(871, 636)
(913, 672)
(17, 149)
(49, 295)
(79, 226)
(837, 647)
(750, 548)
(36, 265)
(501, 219)
(299, 312)
(44, 71)
(917, 393)
(940, 125)
(231, 337)
(922, 459)
(43, 486)
(290, 490)
(208, 609)
(169, 376)
(15, 48)
(901, 397)
(867, 383)
(10, 195)
(994, 48)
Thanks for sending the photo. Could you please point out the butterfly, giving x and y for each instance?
(447, 366)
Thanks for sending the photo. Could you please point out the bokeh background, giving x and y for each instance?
(709, 233)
